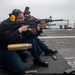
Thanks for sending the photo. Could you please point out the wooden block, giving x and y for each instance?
(54, 57)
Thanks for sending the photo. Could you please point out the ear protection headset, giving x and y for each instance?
(14, 14)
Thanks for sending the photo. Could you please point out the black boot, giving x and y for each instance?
(50, 52)
(40, 62)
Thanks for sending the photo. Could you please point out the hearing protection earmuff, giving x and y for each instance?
(12, 18)
(14, 14)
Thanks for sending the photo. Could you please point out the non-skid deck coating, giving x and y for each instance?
(64, 46)
(55, 66)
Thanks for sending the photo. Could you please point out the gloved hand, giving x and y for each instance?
(27, 34)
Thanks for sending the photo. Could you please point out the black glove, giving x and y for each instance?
(27, 34)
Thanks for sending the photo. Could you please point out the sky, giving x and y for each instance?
(58, 9)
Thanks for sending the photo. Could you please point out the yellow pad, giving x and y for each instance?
(19, 46)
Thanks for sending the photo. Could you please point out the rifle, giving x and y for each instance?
(28, 33)
(48, 20)
(32, 23)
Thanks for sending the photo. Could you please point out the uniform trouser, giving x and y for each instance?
(41, 44)
(12, 59)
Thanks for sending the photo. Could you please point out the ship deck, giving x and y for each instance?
(62, 40)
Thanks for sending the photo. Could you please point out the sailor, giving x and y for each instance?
(13, 60)
(26, 12)
(42, 24)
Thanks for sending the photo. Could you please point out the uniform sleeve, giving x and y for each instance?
(9, 34)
